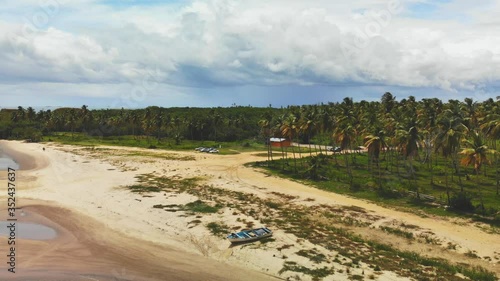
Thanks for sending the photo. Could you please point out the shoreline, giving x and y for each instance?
(85, 247)
(25, 161)
(87, 240)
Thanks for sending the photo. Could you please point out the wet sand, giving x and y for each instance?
(26, 162)
(87, 250)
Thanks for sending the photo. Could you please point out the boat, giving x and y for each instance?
(249, 235)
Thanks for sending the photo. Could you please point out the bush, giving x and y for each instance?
(462, 202)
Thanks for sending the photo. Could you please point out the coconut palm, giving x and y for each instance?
(289, 129)
(343, 135)
(476, 152)
(491, 128)
(375, 143)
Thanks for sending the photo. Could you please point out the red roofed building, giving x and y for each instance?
(280, 142)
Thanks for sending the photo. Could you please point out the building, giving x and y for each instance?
(280, 142)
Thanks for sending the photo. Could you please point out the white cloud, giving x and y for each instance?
(219, 42)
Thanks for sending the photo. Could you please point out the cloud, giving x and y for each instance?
(208, 44)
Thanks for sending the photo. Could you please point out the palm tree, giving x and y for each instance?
(476, 152)
(491, 128)
(470, 109)
(158, 124)
(408, 139)
(265, 126)
(375, 143)
(450, 134)
(451, 131)
(147, 122)
(72, 120)
(343, 135)
(86, 117)
(289, 130)
(308, 123)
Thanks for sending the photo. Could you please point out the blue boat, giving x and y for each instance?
(249, 235)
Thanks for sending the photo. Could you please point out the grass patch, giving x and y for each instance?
(316, 274)
(153, 143)
(312, 255)
(199, 206)
(139, 188)
(398, 232)
(218, 228)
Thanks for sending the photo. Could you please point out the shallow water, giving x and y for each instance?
(31, 231)
(6, 162)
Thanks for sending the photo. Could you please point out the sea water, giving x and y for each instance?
(7, 162)
(27, 230)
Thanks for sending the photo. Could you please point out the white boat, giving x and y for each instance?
(250, 235)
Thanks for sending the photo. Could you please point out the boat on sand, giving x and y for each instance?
(250, 235)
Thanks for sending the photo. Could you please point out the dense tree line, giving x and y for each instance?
(217, 124)
(465, 133)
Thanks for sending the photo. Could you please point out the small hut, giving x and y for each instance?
(280, 142)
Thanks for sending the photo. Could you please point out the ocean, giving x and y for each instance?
(7, 162)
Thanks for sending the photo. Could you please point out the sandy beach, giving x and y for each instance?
(107, 232)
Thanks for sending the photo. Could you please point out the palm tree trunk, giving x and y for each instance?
(379, 173)
(294, 159)
(282, 157)
(447, 186)
(413, 176)
(496, 166)
(480, 193)
(349, 172)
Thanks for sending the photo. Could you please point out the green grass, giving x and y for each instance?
(398, 232)
(316, 274)
(225, 148)
(312, 255)
(391, 187)
(218, 228)
(199, 206)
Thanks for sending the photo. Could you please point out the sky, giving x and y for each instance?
(132, 54)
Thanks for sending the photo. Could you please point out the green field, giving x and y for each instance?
(225, 148)
(393, 185)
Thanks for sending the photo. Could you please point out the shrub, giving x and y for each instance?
(462, 202)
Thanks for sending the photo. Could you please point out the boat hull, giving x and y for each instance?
(251, 239)
(250, 235)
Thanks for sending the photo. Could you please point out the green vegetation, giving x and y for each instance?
(316, 274)
(199, 206)
(225, 148)
(312, 255)
(218, 228)
(155, 124)
(391, 188)
(151, 183)
(398, 232)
